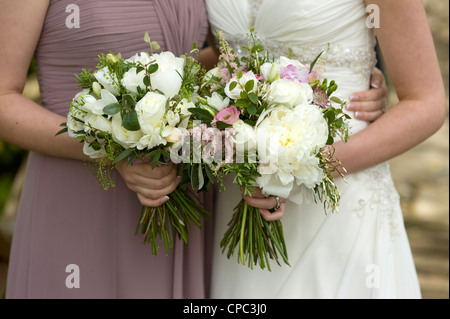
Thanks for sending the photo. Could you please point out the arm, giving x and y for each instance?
(20, 27)
(408, 49)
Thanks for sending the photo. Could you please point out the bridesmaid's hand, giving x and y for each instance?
(371, 104)
(258, 200)
(152, 185)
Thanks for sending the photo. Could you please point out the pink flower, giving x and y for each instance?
(228, 115)
(293, 73)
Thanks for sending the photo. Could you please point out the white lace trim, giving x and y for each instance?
(360, 61)
(384, 198)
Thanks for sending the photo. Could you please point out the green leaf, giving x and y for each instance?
(130, 121)
(253, 98)
(194, 176)
(201, 179)
(152, 68)
(242, 103)
(222, 125)
(123, 155)
(252, 109)
(146, 80)
(112, 108)
(64, 130)
(233, 85)
(202, 115)
(336, 100)
(314, 62)
(249, 85)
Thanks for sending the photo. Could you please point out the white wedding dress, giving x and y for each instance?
(363, 250)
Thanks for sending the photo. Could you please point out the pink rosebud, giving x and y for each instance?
(228, 115)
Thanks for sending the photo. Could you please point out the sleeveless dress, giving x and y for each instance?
(66, 219)
(363, 250)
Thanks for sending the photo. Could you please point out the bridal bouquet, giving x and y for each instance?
(278, 121)
(133, 109)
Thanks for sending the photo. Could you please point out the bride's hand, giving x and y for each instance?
(371, 104)
(266, 204)
(152, 185)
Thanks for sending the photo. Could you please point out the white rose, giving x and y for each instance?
(151, 110)
(235, 94)
(108, 80)
(289, 93)
(128, 139)
(168, 77)
(288, 142)
(141, 58)
(218, 102)
(132, 80)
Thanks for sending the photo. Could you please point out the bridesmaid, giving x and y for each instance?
(67, 225)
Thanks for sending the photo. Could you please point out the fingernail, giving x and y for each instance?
(358, 115)
(376, 84)
(350, 106)
(354, 98)
(166, 198)
(179, 178)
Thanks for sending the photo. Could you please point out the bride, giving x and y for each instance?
(363, 250)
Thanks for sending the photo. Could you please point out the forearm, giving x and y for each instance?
(30, 126)
(404, 126)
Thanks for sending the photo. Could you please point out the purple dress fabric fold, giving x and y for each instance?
(65, 217)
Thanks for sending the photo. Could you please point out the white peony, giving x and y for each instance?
(288, 142)
(235, 94)
(151, 110)
(289, 93)
(132, 80)
(108, 80)
(128, 139)
(168, 77)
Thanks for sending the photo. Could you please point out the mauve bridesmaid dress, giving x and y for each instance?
(65, 216)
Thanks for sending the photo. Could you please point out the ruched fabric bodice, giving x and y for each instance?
(109, 26)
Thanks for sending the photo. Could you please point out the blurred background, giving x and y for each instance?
(421, 177)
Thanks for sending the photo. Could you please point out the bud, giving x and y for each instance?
(112, 59)
(97, 88)
(273, 74)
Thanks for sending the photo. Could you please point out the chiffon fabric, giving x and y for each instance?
(65, 217)
(362, 251)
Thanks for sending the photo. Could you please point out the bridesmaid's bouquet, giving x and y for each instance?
(134, 109)
(278, 122)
